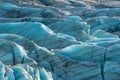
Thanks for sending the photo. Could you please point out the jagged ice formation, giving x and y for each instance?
(59, 40)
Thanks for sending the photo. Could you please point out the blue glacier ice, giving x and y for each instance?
(2, 71)
(104, 34)
(23, 72)
(41, 32)
(83, 52)
(74, 18)
(59, 40)
(81, 28)
(102, 23)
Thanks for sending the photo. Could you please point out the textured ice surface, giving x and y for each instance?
(104, 34)
(83, 52)
(59, 40)
(43, 36)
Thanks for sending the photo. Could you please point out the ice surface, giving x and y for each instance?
(103, 34)
(74, 18)
(83, 53)
(59, 40)
(43, 36)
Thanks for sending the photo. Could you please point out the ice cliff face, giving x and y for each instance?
(59, 40)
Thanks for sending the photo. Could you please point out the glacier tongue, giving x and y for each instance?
(59, 40)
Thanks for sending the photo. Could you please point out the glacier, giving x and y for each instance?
(59, 40)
